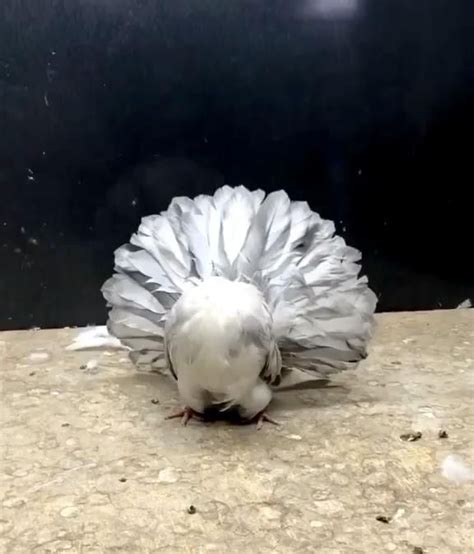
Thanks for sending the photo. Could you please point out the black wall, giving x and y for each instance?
(109, 108)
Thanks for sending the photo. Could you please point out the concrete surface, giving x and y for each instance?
(90, 465)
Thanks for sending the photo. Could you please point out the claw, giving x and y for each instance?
(185, 414)
(262, 418)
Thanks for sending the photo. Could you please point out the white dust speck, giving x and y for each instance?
(295, 437)
(33, 241)
(465, 304)
(328, 507)
(398, 514)
(46, 100)
(39, 356)
(95, 338)
(270, 513)
(454, 469)
(426, 411)
(92, 365)
(316, 524)
(70, 511)
(408, 341)
(167, 475)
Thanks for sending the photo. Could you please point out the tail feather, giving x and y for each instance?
(267, 238)
(141, 325)
(195, 228)
(322, 310)
(122, 291)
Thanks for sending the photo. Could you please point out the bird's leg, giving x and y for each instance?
(262, 417)
(185, 414)
(253, 406)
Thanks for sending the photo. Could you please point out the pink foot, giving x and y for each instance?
(262, 418)
(185, 414)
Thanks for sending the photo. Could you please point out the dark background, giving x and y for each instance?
(109, 108)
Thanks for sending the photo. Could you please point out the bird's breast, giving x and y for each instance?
(213, 338)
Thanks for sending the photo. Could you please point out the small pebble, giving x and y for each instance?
(32, 373)
(123, 480)
(411, 437)
(383, 519)
(83, 366)
(155, 401)
(168, 475)
(191, 509)
(65, 424)
(418, 550)
(442, 434)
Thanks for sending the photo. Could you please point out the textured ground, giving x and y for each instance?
(90, 465)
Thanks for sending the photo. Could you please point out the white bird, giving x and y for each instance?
(231, 292)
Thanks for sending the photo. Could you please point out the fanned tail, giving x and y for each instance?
(322, 310)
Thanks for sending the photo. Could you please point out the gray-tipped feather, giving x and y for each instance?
(322, 310)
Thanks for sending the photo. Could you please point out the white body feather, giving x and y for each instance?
(234, 290)
(219, 335)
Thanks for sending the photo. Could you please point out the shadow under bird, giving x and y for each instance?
(232, 293)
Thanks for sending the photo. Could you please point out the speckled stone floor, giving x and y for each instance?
(90, 465)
